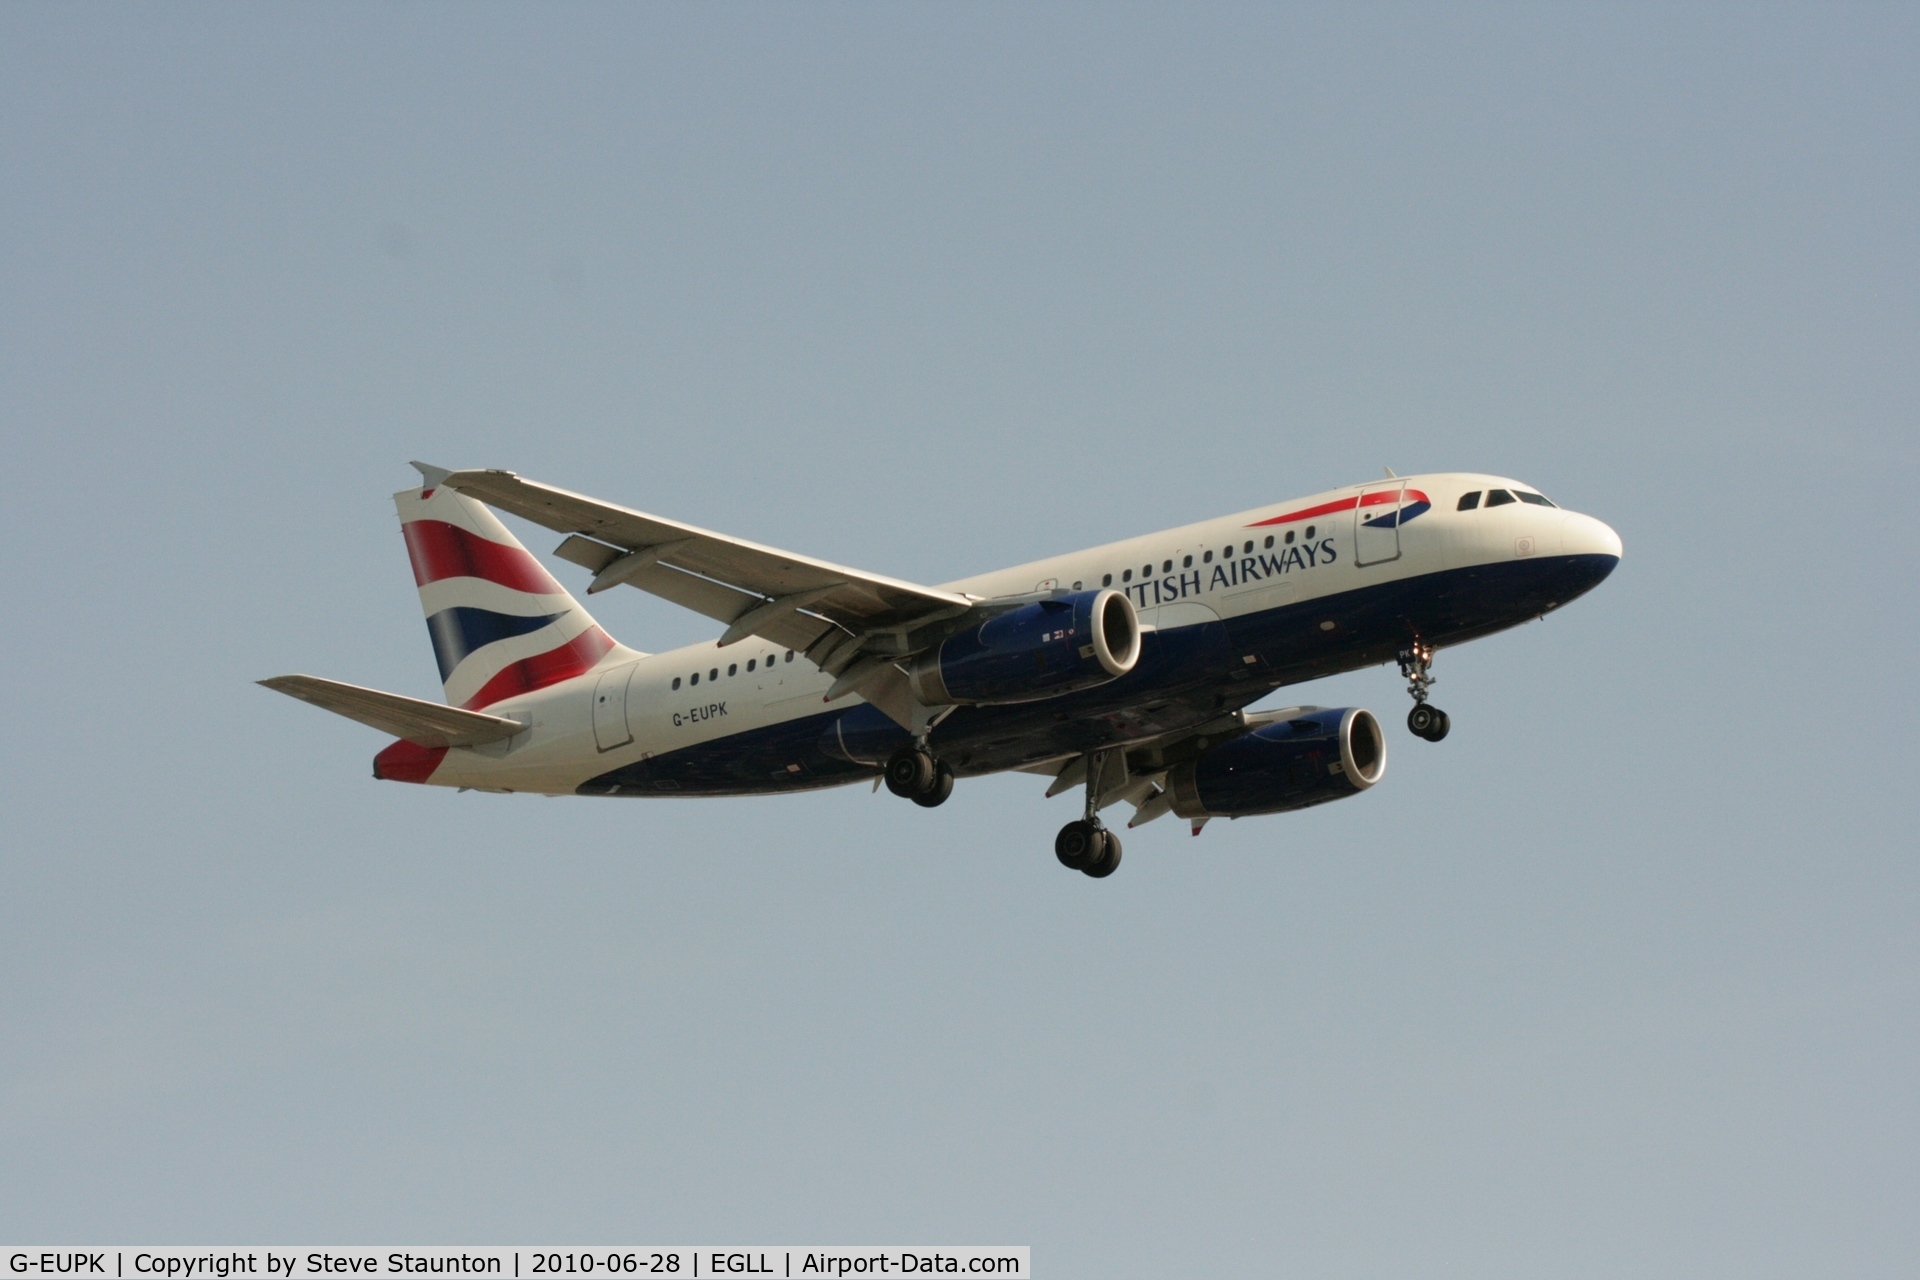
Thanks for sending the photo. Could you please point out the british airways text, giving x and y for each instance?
(1232, 573)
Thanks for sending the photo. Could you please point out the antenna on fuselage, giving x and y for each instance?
(1388, 470)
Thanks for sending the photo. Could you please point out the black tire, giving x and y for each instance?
(1421, 720)
(1079, 845)
(909, 773)
(1109, 861)
(1440, 729)
(936, 795)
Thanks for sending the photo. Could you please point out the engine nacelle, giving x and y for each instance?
(1315, 756)
(1036, 651)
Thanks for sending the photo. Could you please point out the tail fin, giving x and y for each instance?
(499, 622)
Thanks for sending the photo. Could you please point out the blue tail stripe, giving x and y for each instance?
(458, 631)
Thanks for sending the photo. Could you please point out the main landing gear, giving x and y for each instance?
(912, 772)
(1087, 846)
(1424, 721)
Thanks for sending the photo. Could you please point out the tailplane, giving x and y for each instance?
(499, 623)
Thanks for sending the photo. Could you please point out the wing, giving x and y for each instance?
(851, 623)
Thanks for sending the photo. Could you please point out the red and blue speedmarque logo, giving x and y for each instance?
(1402, 505)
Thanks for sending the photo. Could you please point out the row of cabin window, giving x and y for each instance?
(1146, 570)
(733, 669)
(1500, 498)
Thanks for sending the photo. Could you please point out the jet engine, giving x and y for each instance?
(1316, 755)
(1035, 651)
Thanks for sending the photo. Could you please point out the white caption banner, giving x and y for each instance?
(683, 1262)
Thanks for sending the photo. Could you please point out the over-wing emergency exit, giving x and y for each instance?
(1123, 671)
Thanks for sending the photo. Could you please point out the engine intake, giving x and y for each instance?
(1315, 755)
(1036, 651)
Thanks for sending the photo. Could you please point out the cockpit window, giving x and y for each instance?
(1537, 499)
(1498, 497)
(1468, 501)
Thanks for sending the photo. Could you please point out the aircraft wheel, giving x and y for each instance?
(936, 795)
(1440, 730)
(1079, 845)
(1109, 860)
(910, 773)
(1424, 721)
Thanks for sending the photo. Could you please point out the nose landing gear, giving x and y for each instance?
(1087, 846)
(1424, 721)
(1428, 722)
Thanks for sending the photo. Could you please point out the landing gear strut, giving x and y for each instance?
(1424, 721)
(913, 773)
(1086, 845)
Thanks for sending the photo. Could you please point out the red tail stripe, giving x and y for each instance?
(407, 762)
(441, 550)
(542, 669)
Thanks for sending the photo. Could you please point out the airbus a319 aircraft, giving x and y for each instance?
(1124, 671)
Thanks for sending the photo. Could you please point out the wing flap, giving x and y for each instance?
(427, 724)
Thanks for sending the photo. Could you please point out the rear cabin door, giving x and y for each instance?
(610, 707)
(1376, 523)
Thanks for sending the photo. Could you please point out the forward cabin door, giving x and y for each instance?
(610, 707)
(1376, 523)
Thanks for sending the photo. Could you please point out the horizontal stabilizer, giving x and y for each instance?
(428, 724)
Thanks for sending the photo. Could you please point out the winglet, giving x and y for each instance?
(430, 475)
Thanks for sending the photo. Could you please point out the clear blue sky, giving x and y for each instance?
(1622, 979)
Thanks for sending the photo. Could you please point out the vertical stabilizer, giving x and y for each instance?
(499, 622)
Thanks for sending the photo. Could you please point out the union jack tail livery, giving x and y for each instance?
(499, 623)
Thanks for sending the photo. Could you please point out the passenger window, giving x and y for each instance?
(1107, 581)
(1498, 497)
(713, 674)
(1076, 586)
(1309, 532)
(1537, 499)
(733, 668)
(1187, 563)
(789, 655)
(1167, 567)
(676, 682)
(1289, 537)
(696, 678)
(1146, 571)
(1247, 550)
(1127, 576)
(1468, 501)
(749, 664)
(1207, 558)
(1269, 542)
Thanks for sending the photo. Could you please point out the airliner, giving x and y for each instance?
(1125, 671)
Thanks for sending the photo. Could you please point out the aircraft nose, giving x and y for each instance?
(1584, 536)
